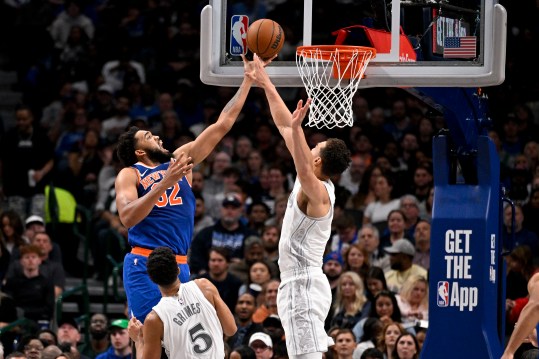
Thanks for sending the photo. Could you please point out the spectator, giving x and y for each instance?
(409, 205)
(257, 213)
(262, 344)
(31, 346)
(114, 126)
(388, 340)
(350, 302)
(376, 212)
(116, 72)
(243, 352)
(253, 251)
(385, 308)
(522, 235)
(422, 244)
(413, 300)
(365, 193)
(376, 282)
(371, 331)
(372, 353)
(202, 219)
(345, 344)
(396, 228)
(68, 333)
(120, 344)
(332, 268)
(32, 291)
(71, 16)
(278, 212)
(26, 156)
(228, 233)
(259, 275)
(401, 254)
(274, 327)
(269, 301)
(370, 239)
(347, 233)
(12, 230)
(51, 352)
(270, 241)
(245, 307)
(47, 337)
(214, 184)
(406, 347)
(99, 338)
(356, 259)
(352, 177)
(422, 182)
(219, 275)
(51, 269)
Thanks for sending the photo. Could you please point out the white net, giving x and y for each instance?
(331, 77)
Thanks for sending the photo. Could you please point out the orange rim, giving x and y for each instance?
(326, 51)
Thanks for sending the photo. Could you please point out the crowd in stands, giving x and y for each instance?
(88, 70)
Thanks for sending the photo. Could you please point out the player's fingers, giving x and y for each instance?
(268, 61)
(244, 58)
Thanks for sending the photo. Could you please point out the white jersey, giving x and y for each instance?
(303, 238)
(304, 296)
(191, 328)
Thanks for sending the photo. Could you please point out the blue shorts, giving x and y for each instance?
(143, 294)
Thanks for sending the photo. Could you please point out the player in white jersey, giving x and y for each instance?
(189, 320)
(304, 297)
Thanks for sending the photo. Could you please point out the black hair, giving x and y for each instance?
(126, 147)
(258, 203)
(396, 316)
(372, 353)
(335, 156)
(245, 352)
(162, 267)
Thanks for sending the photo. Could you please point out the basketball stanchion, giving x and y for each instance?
(331, 76)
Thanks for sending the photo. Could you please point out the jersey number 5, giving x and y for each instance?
(197, 332)
(173, 199)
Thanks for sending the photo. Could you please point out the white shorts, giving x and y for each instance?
(303, 303)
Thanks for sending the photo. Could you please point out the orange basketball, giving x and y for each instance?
(265, 37)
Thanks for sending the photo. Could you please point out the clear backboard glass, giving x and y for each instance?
(450, 43)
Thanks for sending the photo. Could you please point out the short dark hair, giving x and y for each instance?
(126, 147)
(222, 251)
(372, 353)
(335, 156)
(162, 267)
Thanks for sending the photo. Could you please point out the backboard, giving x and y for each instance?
(420, 43)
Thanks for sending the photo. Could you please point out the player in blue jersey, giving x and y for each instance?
(155, 201)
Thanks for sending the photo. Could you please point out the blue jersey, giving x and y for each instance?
(170, 222)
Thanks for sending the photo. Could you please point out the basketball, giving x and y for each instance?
(265, 38)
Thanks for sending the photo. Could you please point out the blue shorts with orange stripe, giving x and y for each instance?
(143, 294)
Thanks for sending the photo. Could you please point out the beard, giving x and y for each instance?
(159, 155)
(99, 334)
(396, 266)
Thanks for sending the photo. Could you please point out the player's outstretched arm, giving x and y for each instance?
(152, 334)
(134, 328)
(528, 319)
(311, 186)
(202, 146)
(223, 312)
(133, 209)
(279, 112)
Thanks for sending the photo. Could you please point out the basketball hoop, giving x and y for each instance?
(332, 89)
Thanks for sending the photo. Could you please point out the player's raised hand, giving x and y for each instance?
(134, 328)
(177, 169)
(300, 112)
(255, 70)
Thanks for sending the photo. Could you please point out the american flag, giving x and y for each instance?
(460, 47)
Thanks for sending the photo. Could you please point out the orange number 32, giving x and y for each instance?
(173, 199)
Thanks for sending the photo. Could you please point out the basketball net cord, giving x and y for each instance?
(331, 82)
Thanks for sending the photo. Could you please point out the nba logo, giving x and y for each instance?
(443, 294)
(238, 35)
